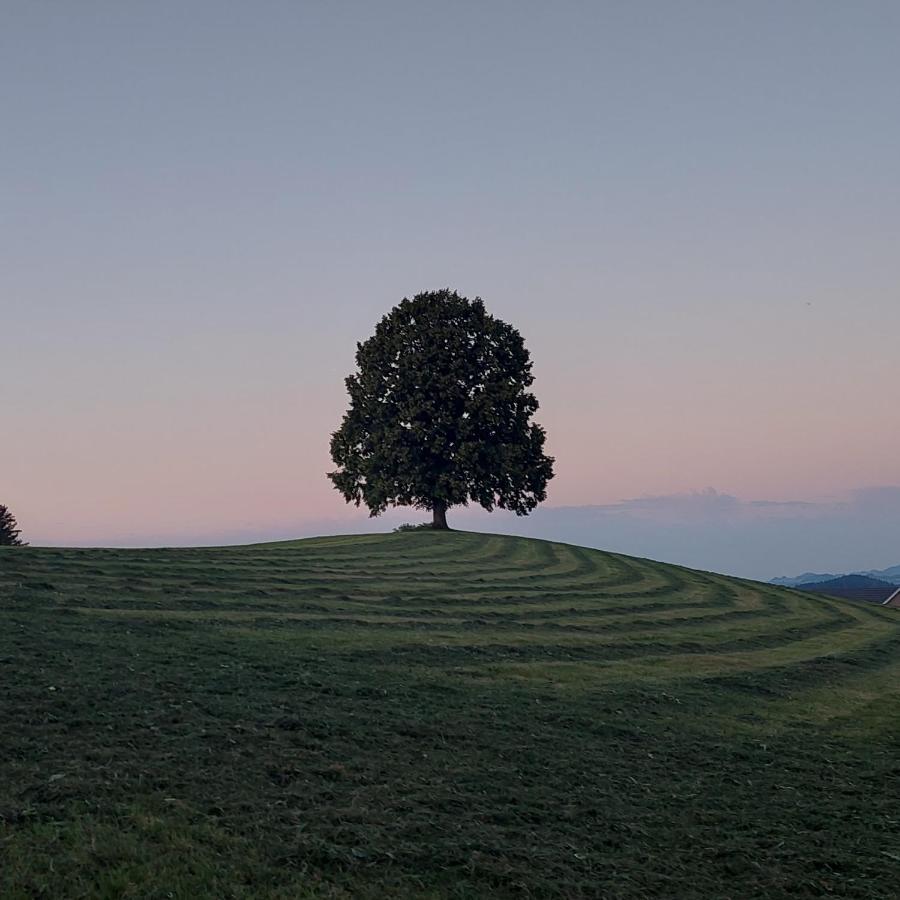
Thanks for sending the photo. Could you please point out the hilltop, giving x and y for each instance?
(437, 715)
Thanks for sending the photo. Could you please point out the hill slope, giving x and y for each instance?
(437, 715)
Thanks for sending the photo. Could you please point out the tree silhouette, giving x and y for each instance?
(440, 414)
(9, 531)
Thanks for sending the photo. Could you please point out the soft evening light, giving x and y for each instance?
(689, 212)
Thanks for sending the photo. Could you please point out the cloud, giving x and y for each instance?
(708, 503)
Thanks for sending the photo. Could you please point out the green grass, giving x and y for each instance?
(438, 715)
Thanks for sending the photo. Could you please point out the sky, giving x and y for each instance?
(690, 210)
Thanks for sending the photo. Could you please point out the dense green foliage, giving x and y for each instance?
(9, 530)
(440, 413)
(438, 715)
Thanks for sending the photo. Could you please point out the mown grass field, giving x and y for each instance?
(438, 715)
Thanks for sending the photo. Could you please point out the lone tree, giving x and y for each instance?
(9, 531)
(440, 414)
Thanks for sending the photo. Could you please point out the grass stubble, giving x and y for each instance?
(438, 716)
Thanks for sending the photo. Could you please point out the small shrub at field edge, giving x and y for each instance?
(408, 526)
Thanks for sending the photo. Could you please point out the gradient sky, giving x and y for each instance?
(691, 210)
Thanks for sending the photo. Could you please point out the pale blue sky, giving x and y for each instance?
(691, 210)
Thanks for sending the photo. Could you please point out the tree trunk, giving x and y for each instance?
(440, 516)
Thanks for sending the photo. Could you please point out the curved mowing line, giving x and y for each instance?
(543, 602)
(569, 637)
(414, 547)
(492, 605)
(304, 570)
(671, 619)
(705, 664)
(587, 620)
(398, 635)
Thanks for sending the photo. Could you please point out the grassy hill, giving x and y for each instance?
(438, 715)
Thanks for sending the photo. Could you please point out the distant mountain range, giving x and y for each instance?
(853, 587)
(890, 575)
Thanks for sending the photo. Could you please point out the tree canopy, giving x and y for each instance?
(9, 530)
(440, 414)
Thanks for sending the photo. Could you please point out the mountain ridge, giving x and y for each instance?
(891, 575)
(853, 587)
